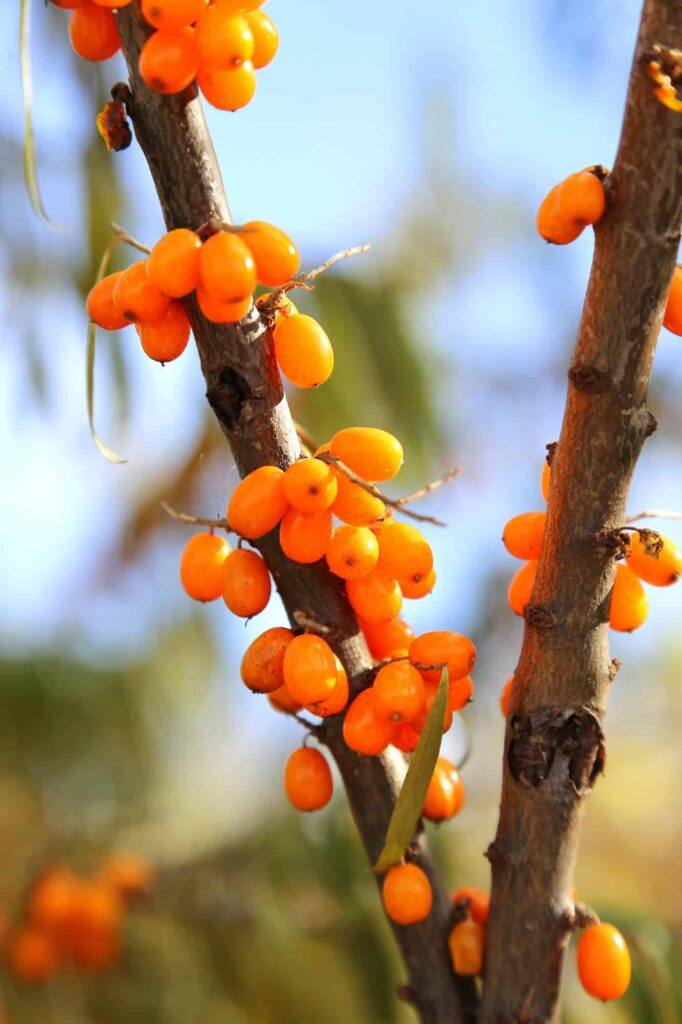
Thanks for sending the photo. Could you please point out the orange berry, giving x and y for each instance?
(388, 639)
(265, 38)
(672, 319)
(309, 485)
(337, 699)
(222, 312)
(111, 4)
(582, 198)
(226, 268)
(523, 534)
(97, 920)
(478, 902)
(466, 944)
(168, 60)
(93, 33)
(262, 666)
(371, 453)
(442, 646)
(406, 894)
(52, 899)
(405, 737)
(228, 88)
(304, 536)
(258, 503)
(173, 264)
(353, 504)
(100, 304)
(276, 256)
(309, 669)
(506, 697)
(545, 479)
(374, 598)
(33, 956)
(69, 5)
(445, 795)
(281, 700)
(308, 780)
(660, 570)
(170, 14)
(303, 351)
(352, 552)
(224, 39)
(521, 587)
(201, 566)
(127, 874)
(136, 298)
(239, 6)
(165, 338)
(246, 583)
(404, 552)
(420, 719)
(604, 966)
(416, 586)
(363, 730)
(399, 692)
(551, 223)
(629, 603)
(460, 692)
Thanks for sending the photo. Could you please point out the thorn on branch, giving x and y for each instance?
(184, 517)
(306, 621)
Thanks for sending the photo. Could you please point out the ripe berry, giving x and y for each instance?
(466, 944)
(399, 692)
(388, 639)
(221, 312)
(404, 552)
(276, 256)
(303, 351)
(246, 583)
(173, 264)
(337, 699)
(352, 552)
(165, 338)
(309, 669)
(304, 536)
(168, 60)
(660, 570)
(673, 310)
(521, 587)
(420, 719)
(522, 535)
(51, 901)
(258, 503)
(239, 6)
(477, 901)
(371, 453)
(374, 598)
(579, 200)
(308, 780)
(407, 894)
(405, 737)
(629, 603)
(442, 646)
(363, 730)
(265, 38)
(136, 298)
(604, 964)
(506, 697)
(551, 223)
(545, 479)
(226, 268)
(93, 33)
(95, 930)
(262, 666)
(33, 955)
(100, 304)
(445, 795)
(228, 88)
(354, 505)
(460, 692)
(170, 14)
(416, 586)
(224, 39)
(309, 485)
(201, 566)
(281, 700)
(127, 875)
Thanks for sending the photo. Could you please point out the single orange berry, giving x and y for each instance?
(407, 894)
(226, 268)
(604, 966)
(442, 646)
(661, 569)
(506, 697)
(405, 737)
(476, 900)
(403, 552)
(399, 692)
(281, 700)
(545, 479)
(466, 944)
(354, 505)
(93, 33)
(552, 224)
(460, 692)
(309, 669)
(258, 503)
(95, 940)
(136, 298)
(224, 39)
(672, 319)
(52, 899)
(265, 38)
(173, 264)
(363, 730)
(309, 485)
(420, 720)
(100, 304)
(127, 874)
(371, 453)
(308, 780)
(445, 794)
(521, 587)
(170, 14)
(165, 338)
(276, 256)
(201, 566)
(303, 351)
(523, 534)
(222, 312)
(374, 598)
(262, 666)
(352, 552)
(228, 88)
(337, 699)
(33, 955)
(417, 586)
(629, 603)
(388, 639)
(246, 583)
(168, 60)
(582, 198)
(304, 536)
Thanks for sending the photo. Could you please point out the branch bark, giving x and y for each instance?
(244, 389)
(554, 745)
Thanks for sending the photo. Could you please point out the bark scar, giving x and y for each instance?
(227, 396)
(572, 739)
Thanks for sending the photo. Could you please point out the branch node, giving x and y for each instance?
(540, 617)
(590, 379)
(614, 667)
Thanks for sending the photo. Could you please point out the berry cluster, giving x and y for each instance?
(71, 919)
(571, 205)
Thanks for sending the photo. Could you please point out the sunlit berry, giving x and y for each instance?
(223, 39)
(281, 700)
(201, 566)
(246, 583)
(165, 338)
(310, 671)
(226, 267)
(545, 478)
(364, 731)
(477, 902)
(407, 894)
(33, 955)
(304, 536)
(521, 587)
(506, 697)
(442, 647)
(262, 667)
(337, 699)
(51, 901)
(399, 692)
(222, 312)
(173, 264)
(352, 552)
(629, 603)
(522, 536)
(309, 485)
(136, 298)
(604, 966)
(308, 780)
(672, 319)
(354, 505)
(265, 38)
(660, 569)
(258, 503)
(578, 200)
(303, 351)
(168, 60)
(93, 33)
(228, 88)
(445, 794)
(390, 639)
(460, 692)
(170, 14)
(375, 598)
(404, 552)
(277, 258)
(371, 453)
(416, 586)
(100, 304)
(466, 944)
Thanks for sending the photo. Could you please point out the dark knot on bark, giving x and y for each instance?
(571, 740)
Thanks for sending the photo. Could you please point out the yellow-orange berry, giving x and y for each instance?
(93, 33)
(582, 198)
(407, 894)
(258, 503)
(276, 256)
(52, 899)
(221, 312)
(403, 552)
(173, 264)
(545, 478)
(405, 737)
(246, 583)
(660, 569)
(228, 88)
(604, 966)
(265, 38)
(100, 304)
(136, 298)
(445, 793)
(363, 730)
(262, 667)
(672, 319)
(551, 223)
(460, 692)
(420, 720)
(506, 697)
(337, 699)
(226, 268)
(303, 351)
(170, 14)
(308, 780)
(371, 453)
(352, 552)
(399, 692)
(168, 60)
(629, 603)
(304, 536)
(353, 504)
(165, 338)
(309, 669)
(466, 944)
(281, 700)
(442, 646)
(309, 485)
(224, 39)
(111, 4)
(476, 900)
(523, 534)
(375, 598)
(388, 639)
(201, 566)
(417, 586)
(33, 955)
(521, 587)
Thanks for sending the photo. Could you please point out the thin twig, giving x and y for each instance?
(653, 513)
(429, 488)
(303, 280)
(395, 503)
(185, 517)
(306, 438)
(123, 236)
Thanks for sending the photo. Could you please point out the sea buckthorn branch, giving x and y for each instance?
(554, 744)
(245, 392)
(306, 277)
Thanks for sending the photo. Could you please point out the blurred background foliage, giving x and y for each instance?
(122, 721)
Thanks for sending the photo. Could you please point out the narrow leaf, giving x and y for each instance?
(90, 362)
(408, 808)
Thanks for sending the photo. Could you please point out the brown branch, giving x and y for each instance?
(554, 743)
(245, 392)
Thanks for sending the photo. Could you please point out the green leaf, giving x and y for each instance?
(408, 808)
(90, 362)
